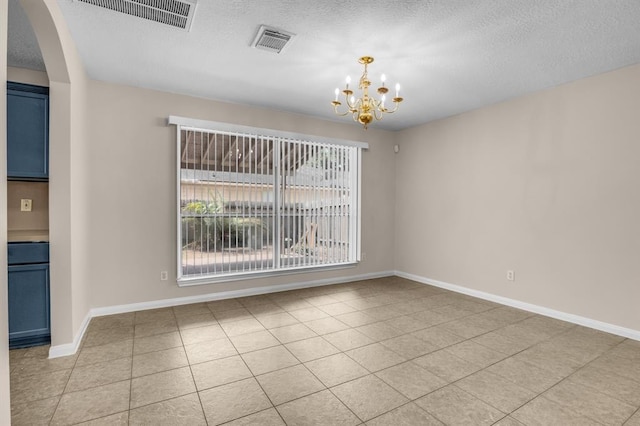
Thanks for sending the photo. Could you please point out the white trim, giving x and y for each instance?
(206, 125)
(71, 348)
(276, 268)
(564, 316)
(358, 226)
(254, 291)
(249, 275)
(177, 203)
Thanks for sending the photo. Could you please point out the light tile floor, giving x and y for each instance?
(380, 352)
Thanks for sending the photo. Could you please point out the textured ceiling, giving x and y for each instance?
(449, 56)
(22, 46)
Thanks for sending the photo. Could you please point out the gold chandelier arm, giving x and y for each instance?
(355, 107)
(336, 105)
(349, 103)
(376, 108)
(396, 101)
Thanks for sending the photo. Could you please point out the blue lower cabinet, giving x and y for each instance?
(29, 322)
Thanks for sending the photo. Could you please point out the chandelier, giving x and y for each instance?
(366, 108)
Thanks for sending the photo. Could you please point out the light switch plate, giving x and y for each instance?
(25, 205)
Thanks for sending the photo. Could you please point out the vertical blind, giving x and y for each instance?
(252, 204)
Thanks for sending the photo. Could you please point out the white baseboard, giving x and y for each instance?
(71, 348)
(254, 291)
(575, 319)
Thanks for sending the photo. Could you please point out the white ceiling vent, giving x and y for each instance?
(271, 39)
(175, 13)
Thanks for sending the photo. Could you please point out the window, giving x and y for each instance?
(253, 202)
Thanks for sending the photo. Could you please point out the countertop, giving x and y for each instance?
(28, 235)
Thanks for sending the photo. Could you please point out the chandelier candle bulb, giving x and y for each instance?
(365, 107)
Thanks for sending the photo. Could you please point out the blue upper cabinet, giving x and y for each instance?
(27, 131)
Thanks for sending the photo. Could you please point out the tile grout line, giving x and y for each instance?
(193, 377)
(568, 377)
(632, 414)
(133, 349)
(303, 364)
(300, 363)
(67, 383)
(283, 344)
(252, 375)
(395, 301)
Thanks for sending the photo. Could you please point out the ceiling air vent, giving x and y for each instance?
(175, 13)
(271, 39)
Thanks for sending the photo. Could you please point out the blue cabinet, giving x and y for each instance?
(27, 131)
(29, 305)
(29, 316)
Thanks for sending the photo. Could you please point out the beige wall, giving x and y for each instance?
(67, 165)
(79, 206)
(546, 185)
(22, 75)
(131, 224)
(38, 217)
(5, 403)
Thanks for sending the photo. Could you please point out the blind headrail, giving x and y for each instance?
(217, 126)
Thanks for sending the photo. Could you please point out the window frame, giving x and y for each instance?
(183, 123)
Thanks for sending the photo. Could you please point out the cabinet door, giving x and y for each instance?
(28, 303)
(27, 133)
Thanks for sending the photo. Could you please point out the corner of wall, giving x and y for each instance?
(67, 137)
(397, 152)
(544, 185)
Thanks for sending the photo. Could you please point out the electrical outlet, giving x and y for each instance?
(511, 275)
(363, 256)
(25, 205)
(164, 275)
